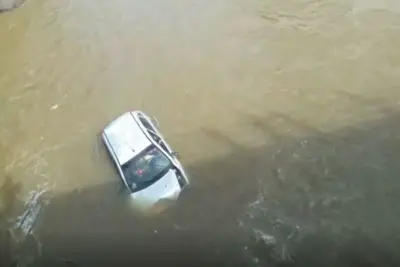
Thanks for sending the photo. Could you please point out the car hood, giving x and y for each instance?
(166, 189)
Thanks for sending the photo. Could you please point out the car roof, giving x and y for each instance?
(126, 137)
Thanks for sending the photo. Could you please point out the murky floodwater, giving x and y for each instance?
(285, 114)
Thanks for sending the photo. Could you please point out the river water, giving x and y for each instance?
(285, 114)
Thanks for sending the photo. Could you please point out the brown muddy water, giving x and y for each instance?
(285, 113)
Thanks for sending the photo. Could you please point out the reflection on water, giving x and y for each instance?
(284, 113)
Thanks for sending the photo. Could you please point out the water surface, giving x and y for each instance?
(284, 112)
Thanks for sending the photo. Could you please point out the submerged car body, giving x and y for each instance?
(149, 168)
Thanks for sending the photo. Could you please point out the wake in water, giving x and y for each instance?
(34, 205)
(272, 235)
(24, 247)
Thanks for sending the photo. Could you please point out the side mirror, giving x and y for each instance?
(175, 154)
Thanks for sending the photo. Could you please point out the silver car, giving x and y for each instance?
(149, 168)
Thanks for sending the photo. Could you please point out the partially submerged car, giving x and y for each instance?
(149, 168)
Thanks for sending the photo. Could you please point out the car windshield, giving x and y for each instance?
(146, 168)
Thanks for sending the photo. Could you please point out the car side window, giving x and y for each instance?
(159, 141)
(162, 144)
(153, 133)
(155, 137)
(146, 123)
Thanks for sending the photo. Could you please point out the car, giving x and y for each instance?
(150, 170)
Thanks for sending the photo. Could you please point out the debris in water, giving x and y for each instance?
(54, 107)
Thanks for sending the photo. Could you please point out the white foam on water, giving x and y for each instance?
(269, 227)
(266, 238)
(33, 207)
